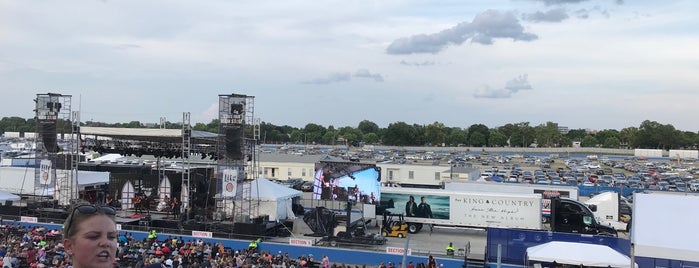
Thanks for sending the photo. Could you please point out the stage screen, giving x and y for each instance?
(347, 181)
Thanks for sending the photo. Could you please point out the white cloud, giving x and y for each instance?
(483, 29)
(511, 87)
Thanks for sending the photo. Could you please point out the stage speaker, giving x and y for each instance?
(48, 136)
(234, 144)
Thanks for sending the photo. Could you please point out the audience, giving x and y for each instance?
(42, 248)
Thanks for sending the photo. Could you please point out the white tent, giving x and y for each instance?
(271, 198)
(7, 196)
(578, 254)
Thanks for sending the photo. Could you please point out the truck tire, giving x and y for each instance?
(413, 228)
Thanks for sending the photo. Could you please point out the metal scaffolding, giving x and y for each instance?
(235, 148)
(53, 115)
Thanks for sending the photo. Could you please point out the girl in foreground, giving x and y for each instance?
(90, 236)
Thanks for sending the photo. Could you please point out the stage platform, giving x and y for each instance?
(154, 219)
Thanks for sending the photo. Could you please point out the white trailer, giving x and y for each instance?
(546, 191)
(465, 209)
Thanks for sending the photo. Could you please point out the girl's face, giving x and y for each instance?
(94, 243)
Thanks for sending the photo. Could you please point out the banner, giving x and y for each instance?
(397, 251)
(202, 234)
(230, 182)
(45, 176)
(300, 242)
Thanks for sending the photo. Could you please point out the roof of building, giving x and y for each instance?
(149, 134)
(296, 158)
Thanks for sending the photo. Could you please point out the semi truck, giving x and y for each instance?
(439, 207)
(611, 209)
(546, 191)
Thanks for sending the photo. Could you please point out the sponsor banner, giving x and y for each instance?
(118, 227)
(397, 251)
(202, 234)
(45, 177)
(230, 182)
(300, 242)
(29, 219)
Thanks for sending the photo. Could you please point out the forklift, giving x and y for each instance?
(394, 225)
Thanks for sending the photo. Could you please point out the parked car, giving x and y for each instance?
(292, 182)
(307, 186)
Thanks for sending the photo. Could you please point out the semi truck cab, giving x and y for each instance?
(570, 216)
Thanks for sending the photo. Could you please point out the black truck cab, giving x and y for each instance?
(570, 216)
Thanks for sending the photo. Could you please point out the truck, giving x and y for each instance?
(487, 209)
(459, 209)
(546, 191)
(611, 209)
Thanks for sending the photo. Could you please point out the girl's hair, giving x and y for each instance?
(81, 212)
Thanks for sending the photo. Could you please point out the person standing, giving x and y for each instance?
(176, 206)
(410, 207)
(431, 262)
(90, 236)
(424, 209)
(325, 262)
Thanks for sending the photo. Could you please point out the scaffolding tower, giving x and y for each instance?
(186, 152)
(53, 115)
(235, 149)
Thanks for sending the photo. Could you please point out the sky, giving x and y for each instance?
(591, 64)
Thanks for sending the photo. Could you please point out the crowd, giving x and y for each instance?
(35, 247)
(40, 247)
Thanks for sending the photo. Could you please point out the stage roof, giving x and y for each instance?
(149, 134)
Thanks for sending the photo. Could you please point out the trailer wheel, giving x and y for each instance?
(333, 243)
(400, 236)
(413, 228)
(384, 233)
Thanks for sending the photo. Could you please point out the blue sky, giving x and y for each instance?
(583, 64)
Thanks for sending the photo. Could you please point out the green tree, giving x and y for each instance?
(436, 134)
(371, 138)
(612, 142)
(457, 136)
(576, 134)
(589, 141)
(548, 135)
(367, 126)
(478, 139)
(297, 136)
(399, 134)
(483, 133)
(330, 137)
(628, 135)
(351, 135)
(313, 132)
(497, 139)
(603, 135)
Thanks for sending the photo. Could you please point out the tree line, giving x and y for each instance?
(648, 135)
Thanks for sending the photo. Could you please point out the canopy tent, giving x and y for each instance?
(272, 199)
(578, 254)
(7, 196)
